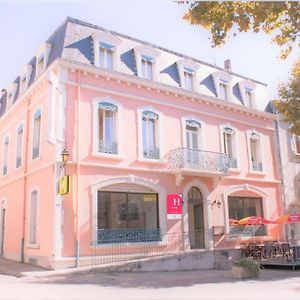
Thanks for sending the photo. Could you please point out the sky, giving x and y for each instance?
(24, 25)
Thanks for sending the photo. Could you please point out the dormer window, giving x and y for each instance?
(147, 67)
(146, 57)
(25, 78)
(222, 82)
(223, 90)
(187, 73)
(42, 57)
(106, 55)
(247, 90)
(23, 84)
(106, 50)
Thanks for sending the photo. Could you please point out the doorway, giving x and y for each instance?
(196, 219)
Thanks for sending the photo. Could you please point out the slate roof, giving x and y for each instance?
(72, 40)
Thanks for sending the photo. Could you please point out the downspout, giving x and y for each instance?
(77, 243)
(25, 182)
(283, 194)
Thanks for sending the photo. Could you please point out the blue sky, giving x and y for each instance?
(25, 25)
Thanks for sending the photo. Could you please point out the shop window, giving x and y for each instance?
(127, 217)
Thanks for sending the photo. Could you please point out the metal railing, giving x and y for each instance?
(256, 166)
(198, 160)
(151, 153)
(110, 148)
(232, 163)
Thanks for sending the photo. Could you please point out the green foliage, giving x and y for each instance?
(289, 103)
(248, 263)
(279, 19)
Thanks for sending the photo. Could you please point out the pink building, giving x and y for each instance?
(140, 122)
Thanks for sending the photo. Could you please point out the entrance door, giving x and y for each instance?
(196, 219)
(2, 231)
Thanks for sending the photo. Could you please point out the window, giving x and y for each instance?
(33, 215)
(106, 55)
(296, 144)
(256, 164)
(150, 135)
(192, 132)
(249, 97)
(188, 78)
(23, 84)
(40, 65)
(36, 134)
(107, 119)
(229, 146)
(243, 207)
(5, 156)
(127, 217)
(19, 146)
(147, 67)
(223, 86)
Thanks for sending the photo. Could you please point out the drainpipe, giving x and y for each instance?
(25, 181)
(283, 195)
(77, 242)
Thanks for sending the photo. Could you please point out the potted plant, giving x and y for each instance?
(245, 268)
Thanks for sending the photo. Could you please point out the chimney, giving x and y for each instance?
(227, 65)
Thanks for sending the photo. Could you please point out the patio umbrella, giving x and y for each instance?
(233, 222)
(288, 219)
(254, 220)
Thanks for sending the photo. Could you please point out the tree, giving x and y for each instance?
(289, 104)
(279, 19)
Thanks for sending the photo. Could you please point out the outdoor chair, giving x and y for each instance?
(268, 250)
(286, 251)
(255, 251)
(244, 249)
(277, 248)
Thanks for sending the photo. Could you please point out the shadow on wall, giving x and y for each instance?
(208, 82)
(237, 93)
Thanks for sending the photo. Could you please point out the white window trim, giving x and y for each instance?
(225, 77)
(260, 152)
(32, 129)
(45, 50)
(25, 72)
(7, 163)
(119, 129)
(108, 38)
(187, 63)
(140, 134)
(36, 244)
(234, 144)
(293, 144)
(141, 50)
(247, 85)
(201, 134)
(3, 205)
(22, 145)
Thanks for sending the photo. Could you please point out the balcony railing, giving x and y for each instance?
(110, 148)
(256, 166)
(207, 161)
(130, 235)
(232, 163)
(151, 153)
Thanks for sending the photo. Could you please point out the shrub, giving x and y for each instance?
(248, 263)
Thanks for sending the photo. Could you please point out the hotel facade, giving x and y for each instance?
(140, 122)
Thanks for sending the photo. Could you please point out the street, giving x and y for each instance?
(204, 284)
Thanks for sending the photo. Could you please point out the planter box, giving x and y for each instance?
(242, 272)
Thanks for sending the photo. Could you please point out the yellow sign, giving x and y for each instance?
(64, 185)
(149, 197)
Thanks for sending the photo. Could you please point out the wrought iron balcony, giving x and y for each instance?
(256, 166)
(110, 148)
(198, 160)
(151, 153)
(130, 235)
(232, 163)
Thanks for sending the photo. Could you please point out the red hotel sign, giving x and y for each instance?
(174, 207)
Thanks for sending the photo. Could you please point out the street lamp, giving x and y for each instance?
(65, 156)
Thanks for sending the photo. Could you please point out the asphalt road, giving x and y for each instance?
(210, 284)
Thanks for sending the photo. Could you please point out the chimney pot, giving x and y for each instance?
(227, 64)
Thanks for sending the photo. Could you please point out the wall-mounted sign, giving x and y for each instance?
(174, 207)
(64, 185)
(149, 197)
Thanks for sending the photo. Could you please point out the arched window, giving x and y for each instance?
(107, 123)
(150, 134)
